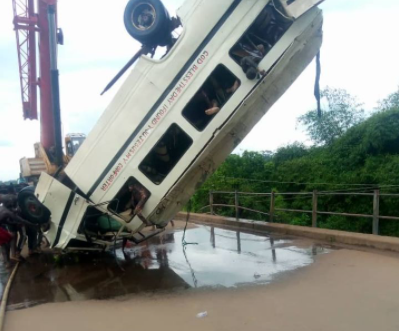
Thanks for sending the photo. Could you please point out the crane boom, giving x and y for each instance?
(25, 22)
(35, 23)
(31, 17)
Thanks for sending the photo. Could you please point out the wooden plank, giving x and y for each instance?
(344, 214)
(294, 210)
(243, 193)
(292, 193)
(240, 207)
(392, 218)
(346, 193)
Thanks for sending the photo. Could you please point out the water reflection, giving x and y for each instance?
(195, 281)
(238, 242)
(274, 257)
(221, 258)
(226, 258)
(230, 259)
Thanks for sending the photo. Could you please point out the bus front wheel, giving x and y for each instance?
(31, 208)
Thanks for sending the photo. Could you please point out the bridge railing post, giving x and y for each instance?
(271, 212)
(376, 212)
(211, 202)
(314, 209)
(236, 203)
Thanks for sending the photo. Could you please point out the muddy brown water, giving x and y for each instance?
(219, 258)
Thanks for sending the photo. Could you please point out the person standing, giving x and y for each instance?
(9, 219)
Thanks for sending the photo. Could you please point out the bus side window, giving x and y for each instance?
(211, 97)
(259, 39)
(131, 196)
(166, 154)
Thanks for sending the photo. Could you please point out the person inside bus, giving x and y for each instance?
(221, 87)
(139, 195)
(161, 160)
(212, 104)
(211, 97)
(249, 56)
(158, 164)
(249, 65)
(243, 49)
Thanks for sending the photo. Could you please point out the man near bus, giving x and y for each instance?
(9, 217)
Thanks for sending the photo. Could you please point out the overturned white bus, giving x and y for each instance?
(175, 120)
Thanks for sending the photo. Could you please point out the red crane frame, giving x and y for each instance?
(25, 22)
(29, 20)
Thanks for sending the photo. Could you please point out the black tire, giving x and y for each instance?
(31, 208)
(155, 32)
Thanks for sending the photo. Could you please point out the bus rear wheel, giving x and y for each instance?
(148, 22)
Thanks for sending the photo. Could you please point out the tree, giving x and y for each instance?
(290, 152)
(342, 112)
(391, 102)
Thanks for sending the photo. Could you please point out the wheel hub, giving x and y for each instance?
(32, 206)
(143, 16)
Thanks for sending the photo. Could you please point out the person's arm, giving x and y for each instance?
(143, 199)
(20, 220)
(7, 216)
(234, 88)
(207, 100)
(131, 204)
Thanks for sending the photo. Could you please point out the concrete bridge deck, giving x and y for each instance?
(244, 280)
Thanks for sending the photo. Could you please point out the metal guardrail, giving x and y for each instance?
(376, 217)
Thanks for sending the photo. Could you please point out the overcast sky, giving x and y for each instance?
(360, 53)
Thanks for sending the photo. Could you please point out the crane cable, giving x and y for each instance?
(317, 84)
(4, 298)
(183, 240)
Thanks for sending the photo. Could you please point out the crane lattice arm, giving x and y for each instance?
(25, 21)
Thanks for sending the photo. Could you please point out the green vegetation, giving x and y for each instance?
(350, 154)
(341, 113)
